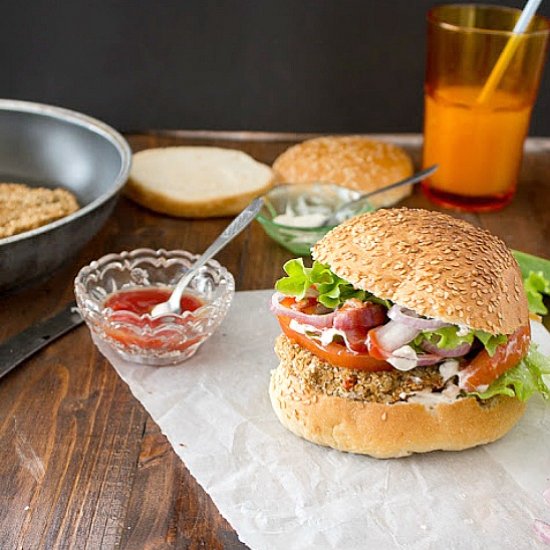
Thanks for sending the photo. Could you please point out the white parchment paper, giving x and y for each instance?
(279, 491)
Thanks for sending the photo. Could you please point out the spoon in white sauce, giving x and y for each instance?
(314, 209)
(353, 207)
(173, 305)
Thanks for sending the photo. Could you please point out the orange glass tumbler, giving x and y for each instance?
(477, 140)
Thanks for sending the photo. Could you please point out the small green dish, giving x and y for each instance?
(302, 199)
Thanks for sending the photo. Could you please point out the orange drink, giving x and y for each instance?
(478, 148)
(477, 144)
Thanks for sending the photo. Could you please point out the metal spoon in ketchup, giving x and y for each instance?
(141, 301)
(130, 322)
(173, 305)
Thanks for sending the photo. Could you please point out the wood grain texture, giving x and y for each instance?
(81, 463)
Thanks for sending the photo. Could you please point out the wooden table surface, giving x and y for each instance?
(82, 465)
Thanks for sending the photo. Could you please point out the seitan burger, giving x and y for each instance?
(409, 333)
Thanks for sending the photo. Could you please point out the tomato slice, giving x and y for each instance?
(485, 369)
(334, 353)
(374, 347)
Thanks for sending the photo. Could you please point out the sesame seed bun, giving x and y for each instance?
(377, 428)
(432, 263)
(351, 161)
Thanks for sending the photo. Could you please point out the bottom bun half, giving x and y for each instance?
(387, 430)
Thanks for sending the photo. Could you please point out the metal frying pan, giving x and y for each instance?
(49, 146)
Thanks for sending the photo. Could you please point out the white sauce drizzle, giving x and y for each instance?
(448, 369)
(403, 358)
(325, 336)
(304, 220)
(430, 399)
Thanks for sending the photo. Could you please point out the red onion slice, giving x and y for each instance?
(426, 359)
(410, 318)
(459, 351)
(393, 335)
(318, 321)
(542, 529)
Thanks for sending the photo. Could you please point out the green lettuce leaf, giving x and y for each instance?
(528, 263)
(445, 337)
(523, 380)
(297, 282)
(536, 280)
(490, 341)
(332, 290)
(448, 338)
(535, 286)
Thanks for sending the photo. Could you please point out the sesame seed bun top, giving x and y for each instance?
(435, 264)
(351, 161)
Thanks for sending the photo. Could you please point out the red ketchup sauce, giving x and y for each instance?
(125, 327)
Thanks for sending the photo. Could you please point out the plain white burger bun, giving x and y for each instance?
(196, 182)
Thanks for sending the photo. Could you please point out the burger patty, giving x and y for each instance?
(23, 208)
(315, 375)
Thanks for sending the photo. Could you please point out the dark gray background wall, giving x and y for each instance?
(281, 65)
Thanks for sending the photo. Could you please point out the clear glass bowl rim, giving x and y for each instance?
(137, 253)
(325, 228)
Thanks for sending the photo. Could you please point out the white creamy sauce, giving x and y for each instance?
(302, 329)
(308, 210)
(463, 330)
(325, 336)
(448, 369)
(403, 358)
(430, 398)
(304, 220)
(463, 378)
